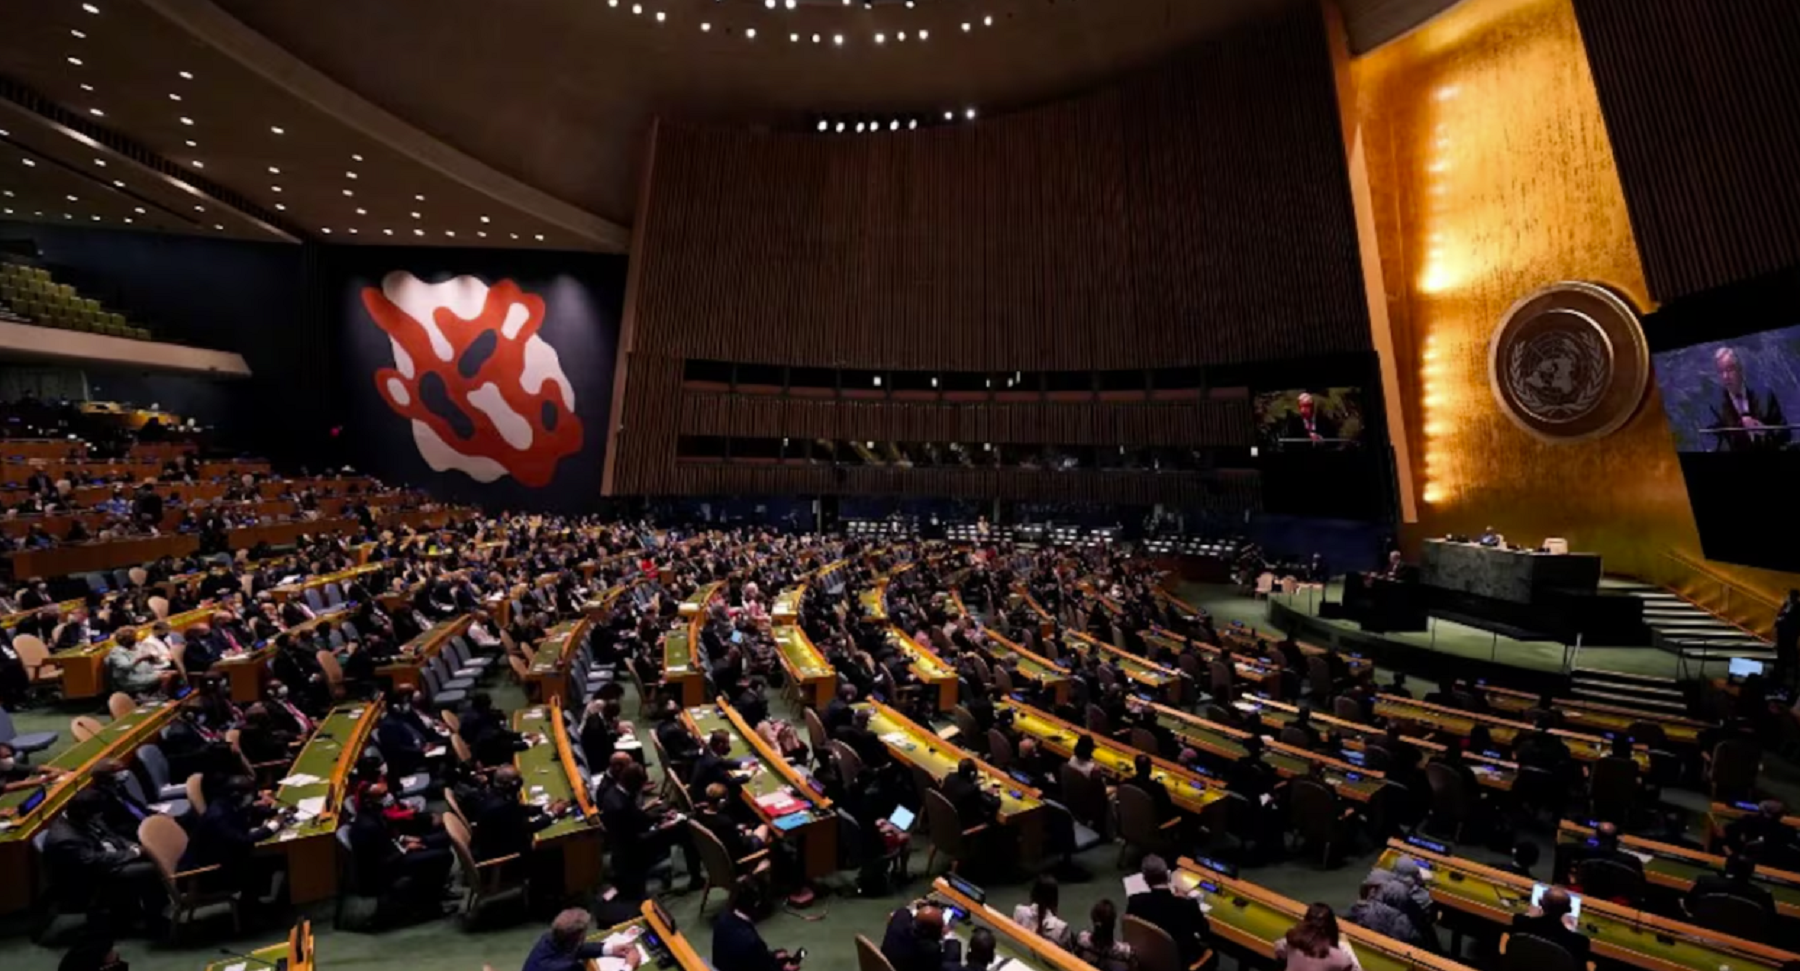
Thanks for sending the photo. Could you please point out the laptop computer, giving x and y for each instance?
(1537, 897)
(902, 819)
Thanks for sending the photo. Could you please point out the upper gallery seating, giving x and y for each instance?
(30, 292)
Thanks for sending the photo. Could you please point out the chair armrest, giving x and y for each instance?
(1173, 822)
(497, 861)
(759, 854)
(1205, 959)
(185, 874)
(971, 831)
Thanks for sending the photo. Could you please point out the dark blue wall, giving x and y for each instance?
(584, 297)
(222, 294)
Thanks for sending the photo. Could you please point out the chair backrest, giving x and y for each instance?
(943, 824)
(849, 763)
(869, 956)
(334, 595)
(1613, 783)
(450, 720)
(721, 869)
(1003, 681)
(1154, 949)
(1219, 677)
(461, 748)
(1085, 795)
(1610, 880)
(1734, 764)
(1318, 675)
(1448, 796)
(1144, 740)
(1265, 583)
(967, 728)
(458, 832)
(1296, 736)
(313, 600)
(334, 673)
(164, 841)
(120, 705)
(196, 793)
(1097, 720)
(1313, 809)
(1529, 952)
(84, 727)
(815, 729)
(31, 649)
(1347, 708)
(155, 763)
(999, 749)
(1137, 816)
(159, 606)
(1737, 916)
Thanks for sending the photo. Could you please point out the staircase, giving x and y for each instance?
(1691, 632)
(1640, 692)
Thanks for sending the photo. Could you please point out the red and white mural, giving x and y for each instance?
(486, 395)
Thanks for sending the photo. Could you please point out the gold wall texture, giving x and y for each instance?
(1491, 176)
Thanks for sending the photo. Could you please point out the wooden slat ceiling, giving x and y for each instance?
(554, 95)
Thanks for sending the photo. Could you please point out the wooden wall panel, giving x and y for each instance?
(1702, 103)
(1198, 213)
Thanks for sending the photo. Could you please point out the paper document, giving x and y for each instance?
(310, 807)
(300, 779)
(434, 751)
(1135, 884)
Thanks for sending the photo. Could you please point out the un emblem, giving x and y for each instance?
(1569, 362)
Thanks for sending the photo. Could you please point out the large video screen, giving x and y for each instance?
(1733, 395)
(1310, 419)
(1728, 365)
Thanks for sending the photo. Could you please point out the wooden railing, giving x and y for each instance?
(1732, 601)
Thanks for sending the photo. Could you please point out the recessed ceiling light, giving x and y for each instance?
(9, 212)
(94, 218)
(9, 193)
(90, 8)
(75, 61)
(96, 112)
(924, 35)
(277, 129)
(513, 235)
(185, 75)
(67, 216)
(793, 38)
(192, 144)
(415, 215)
(419, 198)
(281, 206)
(449, 232)
(705, 27)
(72, 199)
(837, 39)
(880, 38)
(119, 183)
(353, 230)
(965, 27)
(349, 175)
(969, 114)
(29, 163)
(356, 158)
(361, 211)
(100, 162)
(418, 232)
(174, 97)
(128, 220)
(275, 188)
(750, 32)
(199, 208)
(349, 192)
(486, 219)
(186, 120)
(540, 237)
(387, 232)
(199, 164)
(273, 170)
(78, 34)
(326, 230)
(139, 210)
(219, 226)
(987, 21)
(660, 16)
(87, 87)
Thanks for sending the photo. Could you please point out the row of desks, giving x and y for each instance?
(1616, 932)
(1349, 781)
(680, 668)
(407, 668)
(550, 774)
(329, 757)
(1594, 716)
(774, 784)
(800, 659)
(1677, 867)
(1584, 748)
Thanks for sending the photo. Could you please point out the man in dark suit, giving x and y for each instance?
(399, 737)
(736, 943)
(864, 742)
(1180, 917)
(974, 805)
(1550, 921)
(1307, 428)
(1603, 845)
(1144, 780)
(120, 811)
(225, 836)
(411, 870)
(566, 947)
(715, 767)
(1743, 411)
(89, 864)
(503, 823)
(915, 940)
(1765, 833)
(1736, 881)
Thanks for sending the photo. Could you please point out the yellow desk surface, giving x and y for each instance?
(914, 744)
(1191, 792)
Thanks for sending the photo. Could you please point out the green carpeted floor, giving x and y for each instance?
(836, 919)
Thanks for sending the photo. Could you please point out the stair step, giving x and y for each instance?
(1675, 610)
(1685, 622)
(1654, 594)
(1654, 680)
(1725, 653)
(1671, 695)
(1646, 705)
(1719, 638)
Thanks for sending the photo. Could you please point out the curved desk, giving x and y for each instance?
(779, 794)
(322, 773)
(551, 774)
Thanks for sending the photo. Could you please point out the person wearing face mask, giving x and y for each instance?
(36, 595)
(93, 869)
(236, 819)
(400, 736)
(123, 810)
(503, 823)
(407, 872)
(284, 714)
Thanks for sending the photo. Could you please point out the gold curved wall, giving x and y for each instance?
(1490, 176)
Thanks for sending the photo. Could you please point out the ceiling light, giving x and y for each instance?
(192, 144)
(387, 232)
(912, 123)
(119, 183)
(419, 198)
(987, 21)
(924, 35)
(10, 212)
(824, 125)
(199, 208)
(356, 158)
(139, 210)
(186, 120)
(949, 116)
(880, 38)
(90, 8)
(78, 34)
(281, 206)
(326, 230)
(174, 97)
(29, 163)
(418, 232)
(965, 26)
(277, 129)
(837, 39)
(353, 230)
(540, 237)
(840, 126)
(275, 188)
(449, 232)
(221, 227)
(361, 211)
(486, 219)
(75, 61)
(199, 164)
(349, 175)
(100, 162)
(969, 114)
(185, 75)
(87, 87)
(750, 33)
(705, 27)
(67, 216)
(789, 4)
(73, 199)
(901, 37)
(349, 192)
(769, 3)
(860, 127)
(127, 219)
(481, 233)
(793, 38)
(415, 215)
(637, 8)
(96, 112)
(660, 16)
(273, 170)
(513, 235)
(9, 193)
(816, 38)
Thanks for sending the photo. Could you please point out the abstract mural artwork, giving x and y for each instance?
(486, 395)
